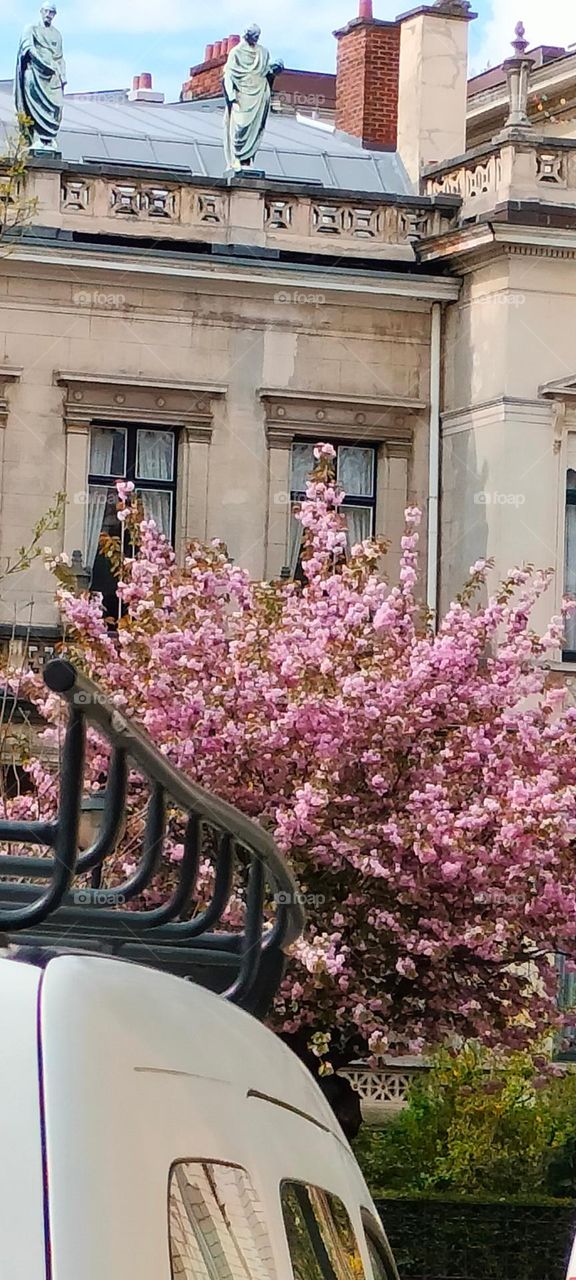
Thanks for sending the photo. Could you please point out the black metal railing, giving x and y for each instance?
(43, 902)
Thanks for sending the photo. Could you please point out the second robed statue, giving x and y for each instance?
(248, 79)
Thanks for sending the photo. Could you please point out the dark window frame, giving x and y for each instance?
(132, 429)
(351, 500)
(130, 475)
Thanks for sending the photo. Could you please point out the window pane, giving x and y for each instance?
(296, 541)
(356, 471)
(570, 572)
(217, 1226)
(571, 480)
(155, 455)
(303, 463)
(380, 1269)
(102, 517)
(321, 1237)
(158, 507)
(359, 521)
(108, 451)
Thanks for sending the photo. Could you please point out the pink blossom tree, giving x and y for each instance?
(422, 785)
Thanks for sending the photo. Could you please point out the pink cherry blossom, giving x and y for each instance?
(422, 785)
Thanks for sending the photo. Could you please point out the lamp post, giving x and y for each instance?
(80, 572)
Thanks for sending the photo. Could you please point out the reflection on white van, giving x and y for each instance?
(572, 1267)
(149, 1128)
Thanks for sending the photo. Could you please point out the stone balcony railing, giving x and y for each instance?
(269, 214)
(516, 169)
(384, 1092)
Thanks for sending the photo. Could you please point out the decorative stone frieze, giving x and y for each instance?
(189, 210)
(512, 169)
(292, 414)
(133, 200)
(76, 195)
(109, 397)
(551, 168)
(383, 1091)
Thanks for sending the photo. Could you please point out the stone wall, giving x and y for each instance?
(236, 366)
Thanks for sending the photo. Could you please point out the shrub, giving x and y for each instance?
(479, 1125)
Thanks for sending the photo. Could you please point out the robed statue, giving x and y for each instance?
(248, 79)
(40, 81)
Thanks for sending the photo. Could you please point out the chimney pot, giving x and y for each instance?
(145, 80)
(232, 42)
(218, 48)
(136, 83)
(365, 10)
(209, 53)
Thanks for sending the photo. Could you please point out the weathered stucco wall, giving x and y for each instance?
(360, 368)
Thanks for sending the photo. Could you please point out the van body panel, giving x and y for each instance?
(143, 1070)
(22, 1239)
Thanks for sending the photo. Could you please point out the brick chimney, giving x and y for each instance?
(205, 80)
(367, 79)
(143, 90)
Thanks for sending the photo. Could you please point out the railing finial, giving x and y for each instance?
(518, 71)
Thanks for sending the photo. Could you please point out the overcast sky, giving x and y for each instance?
(109, 41)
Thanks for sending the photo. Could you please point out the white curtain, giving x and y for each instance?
(303, 464)
(570, 572)
(158, 507)
(356, 471)
(155, 455)
(101, 447)
(97, 499)
(359, 522)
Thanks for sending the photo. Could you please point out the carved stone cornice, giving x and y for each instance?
(157, 402)
(560, 389)
(7, 377)
(374, 419)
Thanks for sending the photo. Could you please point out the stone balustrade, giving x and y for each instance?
(282, 216)
(385, 1091)
(513, 169)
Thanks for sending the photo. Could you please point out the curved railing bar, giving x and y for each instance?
(251, 947)
(99, 921)
(151, 860)
(114, 929)
(44, 832)
(61, 677)
(65, 839)
(112, 815)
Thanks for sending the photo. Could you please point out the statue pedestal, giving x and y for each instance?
(244, 174)
(44, 153)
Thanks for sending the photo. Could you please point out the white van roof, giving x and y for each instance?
(115, 1072)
